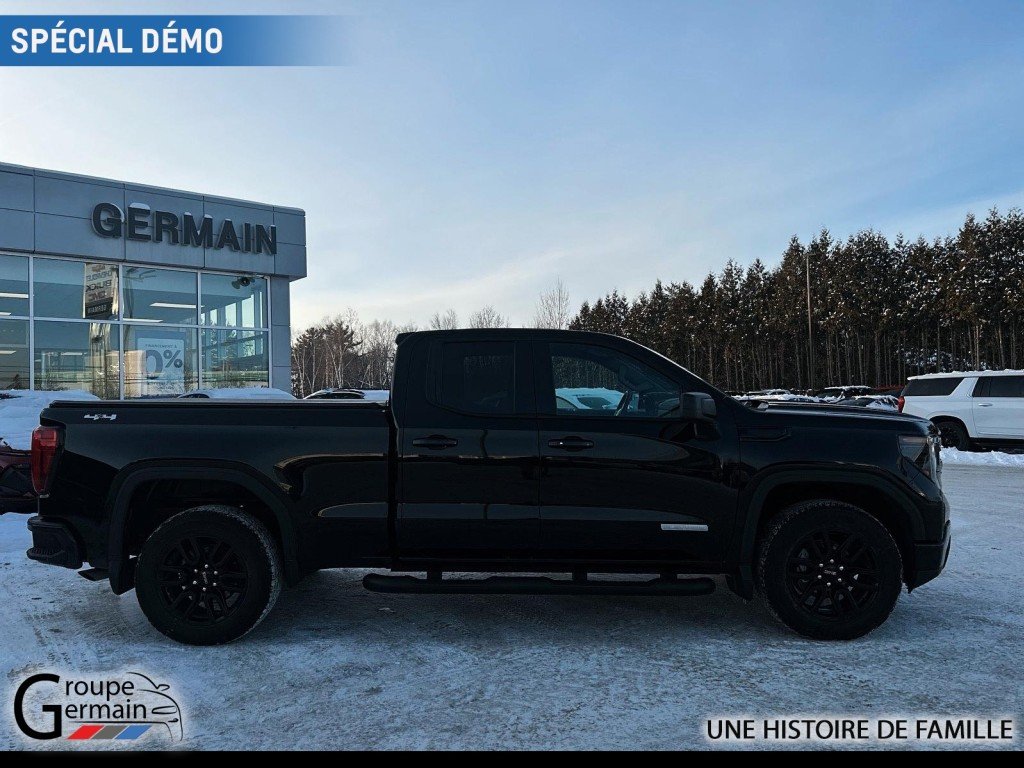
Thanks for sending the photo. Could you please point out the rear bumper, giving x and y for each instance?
(53, 543)
(930, 558)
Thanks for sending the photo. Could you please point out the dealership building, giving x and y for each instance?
(127, 290)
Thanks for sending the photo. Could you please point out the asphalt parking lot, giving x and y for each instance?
(335, 666)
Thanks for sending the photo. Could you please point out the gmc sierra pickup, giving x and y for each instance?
(500, 451)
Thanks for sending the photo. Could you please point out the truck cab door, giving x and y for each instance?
(468, 461)
(623, 477)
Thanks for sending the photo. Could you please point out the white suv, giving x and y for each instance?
(972, 409)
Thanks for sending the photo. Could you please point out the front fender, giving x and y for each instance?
(751, 507)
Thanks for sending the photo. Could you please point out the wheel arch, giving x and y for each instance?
(776, 491)
(939, 418)
(269, 505)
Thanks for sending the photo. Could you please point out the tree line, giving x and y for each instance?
(342, 351)
(880, 310)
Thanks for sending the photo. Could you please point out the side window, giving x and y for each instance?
(1005, 386)
(478, 377)
(938, 387)
(596, 381)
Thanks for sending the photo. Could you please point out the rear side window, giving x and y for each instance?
(1005, 386)
(932, 387)
(478, 377)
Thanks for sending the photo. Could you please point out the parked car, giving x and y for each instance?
(347, 393)
(587, 399)
(16, 492)
(19, 415)
(873, 401)
(973, 410)
(472, 467)
(830, 394)
(237, 393)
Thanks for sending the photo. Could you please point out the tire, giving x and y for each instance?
(954, 435)
(805, 561)
(209, 605)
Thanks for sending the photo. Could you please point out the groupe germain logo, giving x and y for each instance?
(119, 708)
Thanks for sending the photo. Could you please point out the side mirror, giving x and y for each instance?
(697, 406)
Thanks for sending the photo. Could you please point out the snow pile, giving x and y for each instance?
(20, 409)
(989, 459)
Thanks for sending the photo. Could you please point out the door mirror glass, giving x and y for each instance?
(697, 406)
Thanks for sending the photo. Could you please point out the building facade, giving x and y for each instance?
(126, 290)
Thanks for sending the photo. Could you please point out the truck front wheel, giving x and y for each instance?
(829, 570)
(208, 575)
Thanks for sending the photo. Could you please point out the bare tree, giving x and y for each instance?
(341, 351)
(488, 317)
(553, 308)
(448, 321)
(378, 352)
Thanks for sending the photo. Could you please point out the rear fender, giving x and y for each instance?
(128, 481)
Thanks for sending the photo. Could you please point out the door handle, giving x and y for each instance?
(984, 405)
(570, 443)
(435, 442)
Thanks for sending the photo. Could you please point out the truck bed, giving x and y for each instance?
(325, 462)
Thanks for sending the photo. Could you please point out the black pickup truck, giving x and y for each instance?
(501, 452)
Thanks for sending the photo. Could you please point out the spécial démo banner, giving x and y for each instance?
(152, 40)
(61, 40)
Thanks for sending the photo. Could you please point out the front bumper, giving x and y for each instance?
(930, 558)
(53, 543)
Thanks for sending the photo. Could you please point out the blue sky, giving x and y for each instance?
(474, 152)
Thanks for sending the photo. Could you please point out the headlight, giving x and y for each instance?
(923, 452)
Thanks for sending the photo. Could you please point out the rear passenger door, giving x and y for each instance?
(468, 459)
(998, 407)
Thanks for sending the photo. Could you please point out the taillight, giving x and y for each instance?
(901, 402)
(45, 443)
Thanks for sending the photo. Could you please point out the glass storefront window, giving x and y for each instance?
(63, 321)
(160, 295)
(14, 372)
(77, 356)
(237, 301)
(75, 289)
(159, 361)
(235, 358)
(13, 286)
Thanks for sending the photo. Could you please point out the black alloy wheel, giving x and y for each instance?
(208, 575)
(203, 579)
(832, 574)
(828, 570)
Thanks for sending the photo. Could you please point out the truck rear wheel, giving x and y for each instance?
(829, 570)
(208, 575)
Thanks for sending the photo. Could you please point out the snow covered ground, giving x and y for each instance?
(981, 458)
(335, 666)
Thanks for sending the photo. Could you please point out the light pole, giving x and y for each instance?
(810, 324)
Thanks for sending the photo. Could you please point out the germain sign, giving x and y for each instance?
(145, 224)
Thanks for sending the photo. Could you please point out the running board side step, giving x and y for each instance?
(536, 585)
